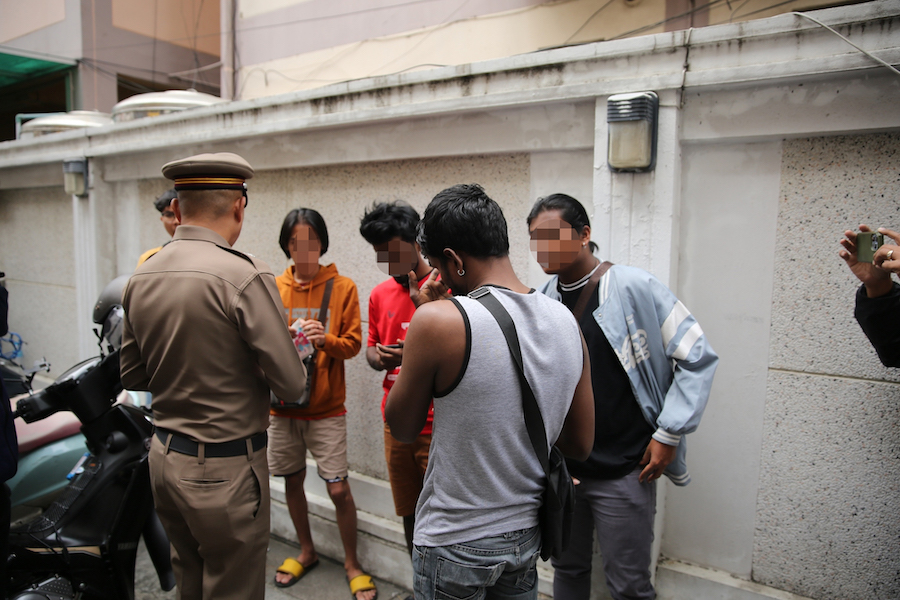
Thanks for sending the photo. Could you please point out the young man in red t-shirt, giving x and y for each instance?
(391, 230)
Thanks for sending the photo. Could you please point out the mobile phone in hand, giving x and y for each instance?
(867, 243)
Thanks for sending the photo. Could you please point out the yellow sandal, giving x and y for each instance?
(362, 583)
(295, 569)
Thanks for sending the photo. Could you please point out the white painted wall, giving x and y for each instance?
(558, 172)
(727, 234)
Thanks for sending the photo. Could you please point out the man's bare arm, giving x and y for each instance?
(407, 404)
(577, 436)
(435, 348)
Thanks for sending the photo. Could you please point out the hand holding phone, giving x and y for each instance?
(390, 355)
(858, 254)
(867, 243)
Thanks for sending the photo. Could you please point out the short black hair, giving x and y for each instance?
(464, 219)
(570, 209)
(303, 216)
(387, 220)
(163, 202)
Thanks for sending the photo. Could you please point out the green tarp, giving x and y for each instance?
(14, 68)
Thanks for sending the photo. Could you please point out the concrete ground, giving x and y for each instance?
(325, 582)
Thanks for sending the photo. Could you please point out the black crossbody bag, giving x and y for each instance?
(309, 361)
(558, 506)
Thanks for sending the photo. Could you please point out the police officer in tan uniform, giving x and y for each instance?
(204, 332)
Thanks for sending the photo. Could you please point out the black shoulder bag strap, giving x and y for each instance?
(534, 422)
(323, 318)
(326, 298)
(589, 289)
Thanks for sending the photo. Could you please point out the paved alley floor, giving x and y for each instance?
(325, 582)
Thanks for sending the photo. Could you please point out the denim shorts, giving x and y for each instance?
(495, 568)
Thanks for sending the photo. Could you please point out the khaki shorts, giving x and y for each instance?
(326, 440)
(406, 470)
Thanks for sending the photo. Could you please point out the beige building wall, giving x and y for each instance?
(18, 18)
(269, 34)
(192, 24)
(481, 37)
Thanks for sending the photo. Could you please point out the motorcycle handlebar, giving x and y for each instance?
(88, 394)
(44, 403)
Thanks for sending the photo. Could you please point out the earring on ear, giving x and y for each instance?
(461, 272)
(583, 244)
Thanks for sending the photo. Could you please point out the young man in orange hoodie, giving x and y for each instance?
(321, 426)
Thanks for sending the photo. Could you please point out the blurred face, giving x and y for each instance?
(554, 242)
(396, 257)
(304, 246)
(169, 220)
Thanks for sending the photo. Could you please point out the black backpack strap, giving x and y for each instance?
(534, 421)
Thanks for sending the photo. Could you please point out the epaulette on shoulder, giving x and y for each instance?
(237, 253)
(157, 251)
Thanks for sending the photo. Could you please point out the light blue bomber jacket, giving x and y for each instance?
(663, 350)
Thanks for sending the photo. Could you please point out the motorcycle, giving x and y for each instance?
(84, 545)
(47, 448)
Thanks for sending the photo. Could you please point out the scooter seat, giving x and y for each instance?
(55, 427)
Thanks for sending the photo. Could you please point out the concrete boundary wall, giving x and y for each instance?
(749, 112)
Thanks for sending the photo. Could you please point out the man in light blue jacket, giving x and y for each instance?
(652, 369)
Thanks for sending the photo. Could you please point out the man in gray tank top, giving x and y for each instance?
(476, 530)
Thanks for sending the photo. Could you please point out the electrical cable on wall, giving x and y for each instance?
(759, 10)
(869, 54)
(589, 19)
(155, 19)
(688, 13)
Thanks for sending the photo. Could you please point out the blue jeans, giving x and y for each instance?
(494, 568)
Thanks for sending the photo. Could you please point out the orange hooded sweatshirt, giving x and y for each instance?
(343, 336)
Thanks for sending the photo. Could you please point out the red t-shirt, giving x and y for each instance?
(390, 311)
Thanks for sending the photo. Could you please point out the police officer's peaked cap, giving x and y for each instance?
(220, 171)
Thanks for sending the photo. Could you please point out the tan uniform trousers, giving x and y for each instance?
(216, 514)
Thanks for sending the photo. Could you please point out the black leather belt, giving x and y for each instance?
(184, 445)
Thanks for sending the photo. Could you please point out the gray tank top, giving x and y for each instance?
(483, 477)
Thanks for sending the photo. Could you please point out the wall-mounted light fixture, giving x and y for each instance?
(75, 176)
(632, 120)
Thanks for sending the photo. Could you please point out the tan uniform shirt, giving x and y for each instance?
(204, 332)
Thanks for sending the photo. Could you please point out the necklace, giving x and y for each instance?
(571, 287)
